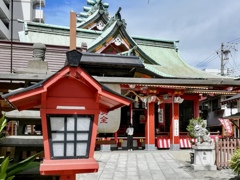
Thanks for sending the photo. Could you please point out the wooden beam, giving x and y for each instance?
(142, 81)
(106, 142)
(167, 81)
(22, 141)
(6, 109)
(234, 123)
(72, 31)
(24, 77)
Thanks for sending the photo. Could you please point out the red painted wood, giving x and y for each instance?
(173, 138)
(150, 125)
(45, 134)
(68, 166)
(68, 177)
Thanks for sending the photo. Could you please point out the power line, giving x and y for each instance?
(223, 55)
(209, 59)
(235, 40)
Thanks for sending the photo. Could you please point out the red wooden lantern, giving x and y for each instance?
(70, 102)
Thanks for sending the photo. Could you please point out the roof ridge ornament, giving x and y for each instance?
(117, 14)
(96, 5)
(117, 17)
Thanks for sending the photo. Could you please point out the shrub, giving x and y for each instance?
(3, 123)
(235, 162)
(192, 123)
(190, 128)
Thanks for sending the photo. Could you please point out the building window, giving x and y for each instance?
(232, 104)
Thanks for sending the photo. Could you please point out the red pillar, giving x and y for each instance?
(196, 107)
(174, 128)
(150, 128)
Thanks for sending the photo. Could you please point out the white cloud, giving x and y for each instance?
(201, 26)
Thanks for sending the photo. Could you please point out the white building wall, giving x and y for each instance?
(54, 39)
(228, 111)
(4, 19)
(4, 31)
(22, 9)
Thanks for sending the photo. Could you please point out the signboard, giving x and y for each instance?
(176, 127)
(160, 116)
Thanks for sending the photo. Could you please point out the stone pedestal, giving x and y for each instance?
(204, 157)
(150, 147)
(105, 147)
(174, 147)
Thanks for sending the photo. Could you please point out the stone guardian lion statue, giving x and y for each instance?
(202, 135)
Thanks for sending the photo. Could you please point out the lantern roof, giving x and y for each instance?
(30, 97)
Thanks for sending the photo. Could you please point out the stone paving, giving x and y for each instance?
(149, 165)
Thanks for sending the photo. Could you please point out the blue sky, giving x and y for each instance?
(200, 26)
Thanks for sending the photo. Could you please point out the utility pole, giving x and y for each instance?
(224, 58)
(40, 11)
(222, 65)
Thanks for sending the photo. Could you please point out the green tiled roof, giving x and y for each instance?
(160, 56)
(154, 42)
(171, 65)
(153, 68)
(56, 35)
(86, 20)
